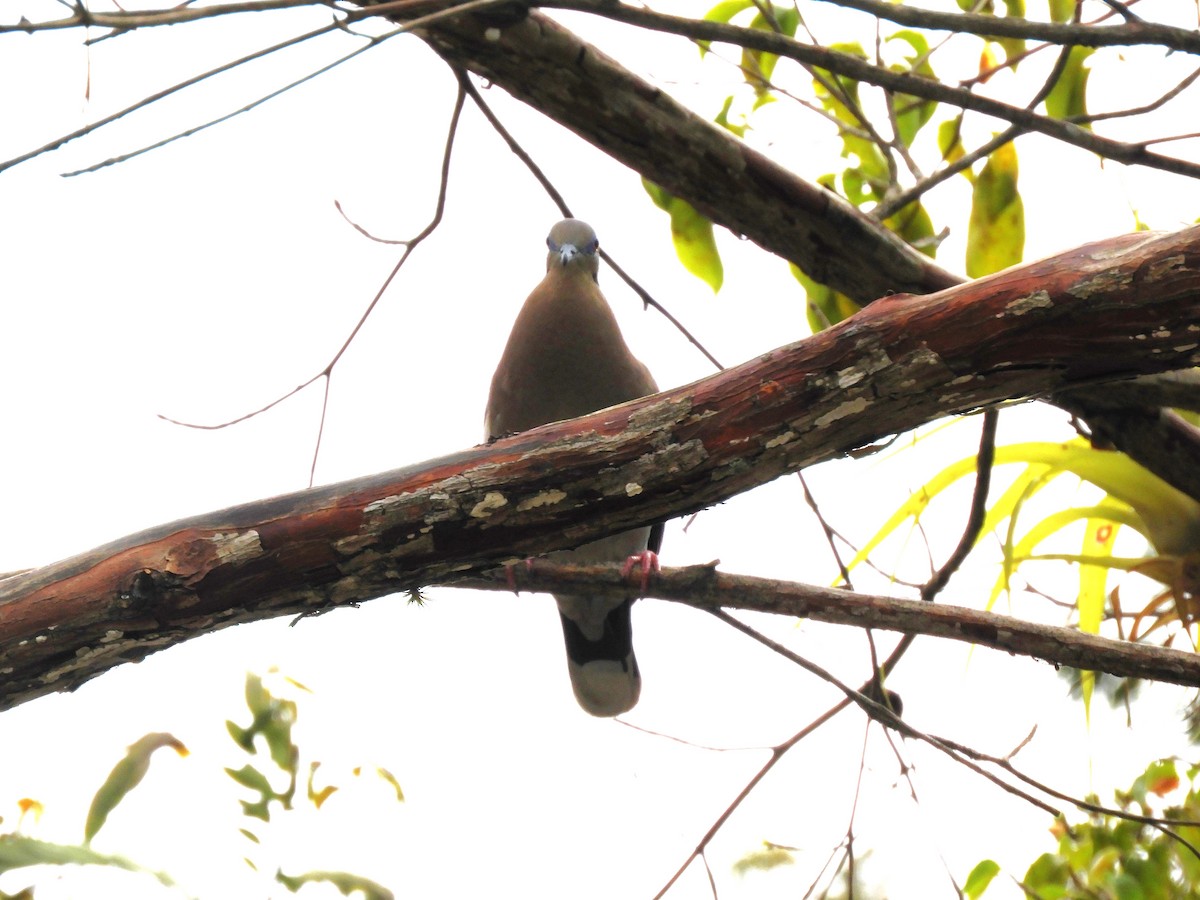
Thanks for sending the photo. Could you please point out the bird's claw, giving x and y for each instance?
(510, 575)
(644, 563)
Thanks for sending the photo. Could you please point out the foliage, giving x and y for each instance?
(272, 722)
(1112, 856)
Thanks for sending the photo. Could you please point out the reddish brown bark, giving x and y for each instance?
(1106, 311)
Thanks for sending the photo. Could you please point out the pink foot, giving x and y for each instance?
(511, 578)
(645, 563)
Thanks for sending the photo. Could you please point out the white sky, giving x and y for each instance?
(206, 278)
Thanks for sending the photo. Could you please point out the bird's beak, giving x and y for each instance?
(566, 253)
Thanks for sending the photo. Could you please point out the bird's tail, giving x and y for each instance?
(604, 671)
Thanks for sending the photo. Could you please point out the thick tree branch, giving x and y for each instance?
(1125, 307)
(547, 66)
(706, 588)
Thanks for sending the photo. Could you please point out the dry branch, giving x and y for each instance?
(1118, 309)
(706, 588)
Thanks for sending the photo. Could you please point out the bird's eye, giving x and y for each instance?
(550, 242)
(593, 247)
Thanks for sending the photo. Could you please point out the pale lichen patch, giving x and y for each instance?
(1022, 305)
(492, 501)
(632, 489)
(542, 498)
(237, 546)
(779, 440)
(1099, 284)
(849, 408)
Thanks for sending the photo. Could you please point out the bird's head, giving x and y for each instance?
(573, 244)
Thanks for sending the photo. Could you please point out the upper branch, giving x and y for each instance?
(1105, 311)
(901, 82)
(550, 68)
(1127, 34)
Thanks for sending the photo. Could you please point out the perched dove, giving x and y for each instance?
(566, 358)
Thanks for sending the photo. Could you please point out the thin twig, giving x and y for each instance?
(409, 246)
(894, 204)
(521, 154)
(196, 129)
(851, 66)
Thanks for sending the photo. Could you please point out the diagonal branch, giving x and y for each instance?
(547, 66)
(1112, 310)
(706, 588)
(901, 82)
(991, 27)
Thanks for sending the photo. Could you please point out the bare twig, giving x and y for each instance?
(409, 246)
(196, 129)
(853, 67)
(536, 170)
(1139, 32)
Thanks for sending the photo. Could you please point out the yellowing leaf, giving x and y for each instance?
(912, 113)
(1013, 47)
(692, 234)
(996, 230)
(318, 798)
(1062, 10)
(1098, 540)
(391, 779)
(825, 305)
(769, 857)
(981, 876)
(1068, 97)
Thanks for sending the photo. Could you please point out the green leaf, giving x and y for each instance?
(723, 12)
(1068, 97)
(343, 881)
(273, 721)
(1013, 47)
(996, 230)
(763, 860)
(912, 113)
(18, 851)
(722, 119)
(758, 65)
(825, 305)
(252, 778)
(949, 138)
(125, 776)
(1062, 10)
(979, 879)
(692, 234)
(726, 10)
(914, 225)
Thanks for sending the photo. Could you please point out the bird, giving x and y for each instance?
(566, 357)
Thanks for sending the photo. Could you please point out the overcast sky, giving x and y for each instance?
(205, 279)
